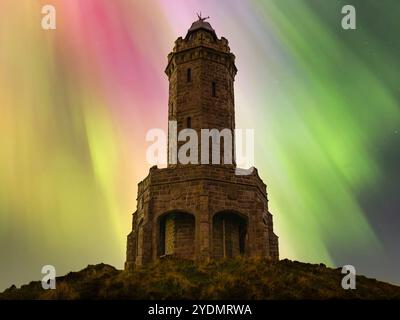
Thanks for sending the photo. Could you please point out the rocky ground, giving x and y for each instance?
(228, 279)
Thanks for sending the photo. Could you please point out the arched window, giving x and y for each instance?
(176, 235)
(189, 123)
(139, 241)
(229, 235)
(189, 75)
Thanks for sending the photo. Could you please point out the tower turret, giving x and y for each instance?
(201, 72)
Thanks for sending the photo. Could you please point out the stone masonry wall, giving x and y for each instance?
(202, 191)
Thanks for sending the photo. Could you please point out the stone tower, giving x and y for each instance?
(201, 211)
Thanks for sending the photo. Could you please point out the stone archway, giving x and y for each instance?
(229, 235)
(176, 235)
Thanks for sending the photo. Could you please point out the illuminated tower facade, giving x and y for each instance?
(201, 210)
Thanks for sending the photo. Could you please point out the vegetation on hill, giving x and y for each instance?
(240, 278)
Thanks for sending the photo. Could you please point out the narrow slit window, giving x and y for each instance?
(189, 75)
(189, 122)
(214, 89)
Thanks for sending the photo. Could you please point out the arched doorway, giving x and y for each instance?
(177, 235)
(229, 235)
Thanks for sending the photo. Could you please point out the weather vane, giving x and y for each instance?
(200, 18)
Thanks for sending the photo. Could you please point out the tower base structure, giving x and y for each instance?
(200, 212)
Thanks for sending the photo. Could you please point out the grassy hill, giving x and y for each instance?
(228, 279)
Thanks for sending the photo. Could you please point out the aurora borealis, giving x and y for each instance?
(76, 103)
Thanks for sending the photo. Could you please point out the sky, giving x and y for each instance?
(76, 104)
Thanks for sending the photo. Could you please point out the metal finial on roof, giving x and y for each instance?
(201, 18)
